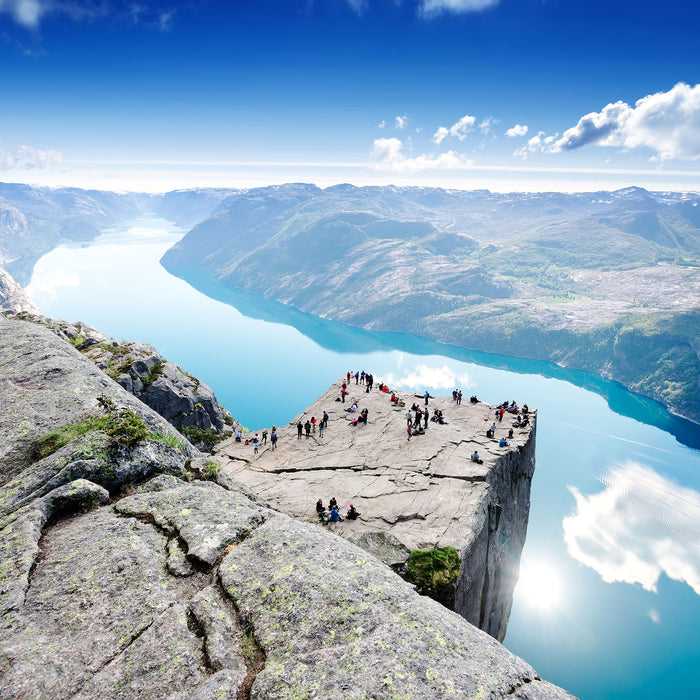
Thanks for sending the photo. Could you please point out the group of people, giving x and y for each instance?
(360, 377)
(258, 440)
(310, 426)
(332, 515)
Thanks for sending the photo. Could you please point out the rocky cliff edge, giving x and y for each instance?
(125, 576)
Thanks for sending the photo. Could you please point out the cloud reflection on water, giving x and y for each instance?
(422, 376)
(641, 526)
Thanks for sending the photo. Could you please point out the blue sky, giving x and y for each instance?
(504, 94)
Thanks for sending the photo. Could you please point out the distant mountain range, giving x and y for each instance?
(605, 281)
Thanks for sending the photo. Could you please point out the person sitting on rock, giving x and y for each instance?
(352, 513)
(363, 416)
(238, 435)
(525, 409)
(503, 442)
(319, 507)
(335, 515)
(473, 399)
(333, 503)
(476, 458)
(352, 408)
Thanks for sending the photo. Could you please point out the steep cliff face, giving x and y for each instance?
(422, 494)
(124, 576)
(489, 571)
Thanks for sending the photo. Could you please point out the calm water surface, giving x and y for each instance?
(608, 604)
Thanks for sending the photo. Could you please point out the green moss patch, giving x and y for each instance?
(434, 572)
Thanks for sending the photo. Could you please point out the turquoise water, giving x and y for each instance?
(609, 599)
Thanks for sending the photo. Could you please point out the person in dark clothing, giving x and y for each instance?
(333, 503)
(319, 507)
(307, 427)
(300, 427)
(425, 416)
(325, 419)
(352, 513)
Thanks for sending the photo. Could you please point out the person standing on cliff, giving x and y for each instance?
(427, 396)
(307, 427)
(409, 430)
(264, 437)
(425, 418)
(409, 418)
(300, 427)
(325, 419)
(273, 437)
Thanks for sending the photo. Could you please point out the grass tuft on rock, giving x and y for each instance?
(434, 572)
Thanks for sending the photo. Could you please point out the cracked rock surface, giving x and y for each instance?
(119, 581)
(424, 493)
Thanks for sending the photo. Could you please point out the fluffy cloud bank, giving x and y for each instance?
(666, 122)
(643, 525)
(387, 154)
(28, 157)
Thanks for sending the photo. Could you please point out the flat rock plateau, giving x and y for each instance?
(423, 493)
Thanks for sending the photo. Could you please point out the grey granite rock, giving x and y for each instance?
(341, 624)
(46, 384)
(206, 517)
(181, 399)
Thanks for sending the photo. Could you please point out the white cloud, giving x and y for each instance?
(382, 124)
(440, 135)
(460, 129)
(654, 616)
(28, 157)
(430, 8)
(641, 526)
(387, 155)
(400, 122)
(666, 122)
(486, 125)
(517, 130)
(24, 12)
(424, 376)
(540, 143)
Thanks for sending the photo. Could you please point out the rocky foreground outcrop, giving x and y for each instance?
(421, 494)
(184, 401)
(124, 575)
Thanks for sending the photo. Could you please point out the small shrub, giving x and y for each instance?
(126, 427)
(148, 379)
(211, 468)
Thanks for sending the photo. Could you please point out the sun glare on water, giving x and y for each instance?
(539, 586)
